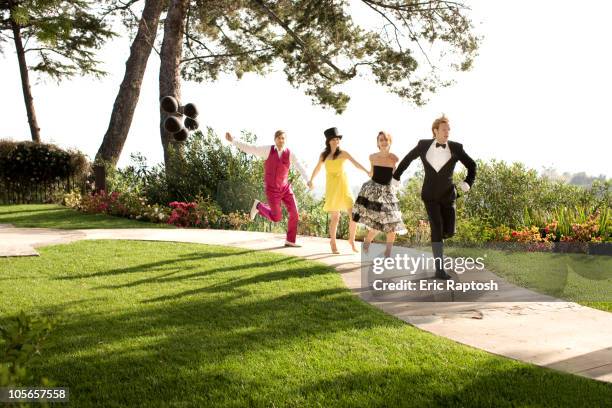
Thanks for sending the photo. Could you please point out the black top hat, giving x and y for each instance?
(331, 133)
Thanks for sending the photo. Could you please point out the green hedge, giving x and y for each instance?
(35, 172)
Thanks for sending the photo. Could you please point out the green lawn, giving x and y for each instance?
(57, 216)
(151, 324)
(581, 278)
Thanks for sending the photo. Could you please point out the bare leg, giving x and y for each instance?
(368, 239)
(352, 230)
(390, 241)
(333, 228)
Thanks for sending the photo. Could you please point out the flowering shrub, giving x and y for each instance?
(590, 230)
(94, 203)
(529, 234)
(72, 199)
(585, 232)
(154, 213)
(101, 202)
(237, 220)
(184, 214)
(203, 213)
(209, 211)
(128, 205)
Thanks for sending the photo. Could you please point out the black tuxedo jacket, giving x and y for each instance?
(438, 186)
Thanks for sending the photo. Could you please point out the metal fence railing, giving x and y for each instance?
(20, 192)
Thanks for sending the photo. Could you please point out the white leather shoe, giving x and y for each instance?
(254, 210)
(292, 244)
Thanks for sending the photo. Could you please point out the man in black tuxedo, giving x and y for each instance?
(439, 193)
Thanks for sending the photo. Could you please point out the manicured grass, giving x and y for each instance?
(581, 278)
(152, 324)
(57, 216)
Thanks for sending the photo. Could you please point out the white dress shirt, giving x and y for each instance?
(264, 151)
(438, 157)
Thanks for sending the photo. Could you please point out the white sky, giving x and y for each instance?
(539, 93)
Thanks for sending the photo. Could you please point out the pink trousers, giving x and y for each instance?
(272, 210)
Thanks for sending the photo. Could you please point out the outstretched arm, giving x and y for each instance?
(259, 151)
(314, 173)
(413, 154)
(355, 162)
(300, 167)
(470, 165)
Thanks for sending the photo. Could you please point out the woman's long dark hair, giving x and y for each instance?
(327, 151)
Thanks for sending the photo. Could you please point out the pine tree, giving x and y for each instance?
(53, 38)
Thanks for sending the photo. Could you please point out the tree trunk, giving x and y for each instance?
(169, 70)
(129, 91)
(25, 82)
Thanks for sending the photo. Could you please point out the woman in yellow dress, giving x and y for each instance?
(338, 196)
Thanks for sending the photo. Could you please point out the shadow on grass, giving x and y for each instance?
(186, 337)
(491, 384)
(234, 284)
(3, 211)
(211, 352)
(168, 277)
(157, 266)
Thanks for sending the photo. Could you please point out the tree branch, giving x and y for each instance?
(297, 38)
(414, 38)
(231, 54)
(123, 7)
(390, 22)
(417, 6)
(42, 49)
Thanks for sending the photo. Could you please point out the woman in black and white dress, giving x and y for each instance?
(377, 205)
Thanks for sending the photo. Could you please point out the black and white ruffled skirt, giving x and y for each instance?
(377, 207)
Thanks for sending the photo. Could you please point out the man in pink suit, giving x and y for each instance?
(278, 189)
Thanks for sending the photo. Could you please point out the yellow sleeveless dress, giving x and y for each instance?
(338, 196)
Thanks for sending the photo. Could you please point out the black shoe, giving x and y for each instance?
(441, 274)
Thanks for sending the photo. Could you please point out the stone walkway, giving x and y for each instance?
(540, 330)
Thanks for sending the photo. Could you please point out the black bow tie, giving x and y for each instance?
(441, 145)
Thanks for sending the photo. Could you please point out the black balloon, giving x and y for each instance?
(181, 120)
(169, 104)
(191, 123)
(190, 110)
(172, 124)
(181, 135)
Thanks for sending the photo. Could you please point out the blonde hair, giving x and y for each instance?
(436, 124)
(386, 135)
(278, 133)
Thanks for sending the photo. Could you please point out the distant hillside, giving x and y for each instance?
(578, 179)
